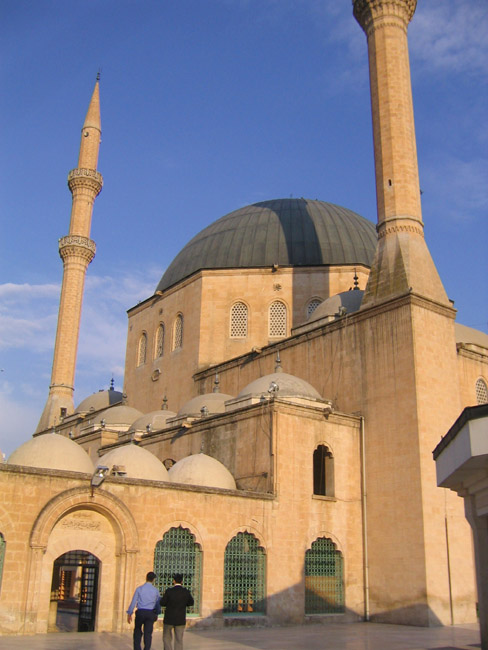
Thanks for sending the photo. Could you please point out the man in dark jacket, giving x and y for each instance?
(175, 599)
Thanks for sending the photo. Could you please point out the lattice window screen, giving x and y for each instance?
(312, 306)
(178, 333)
(324, 584)
(238, 321)
(141, 357)
(160, 341)
(244, 576)
(481, 391)
(277, 319)
(178, 552)
(2, 556)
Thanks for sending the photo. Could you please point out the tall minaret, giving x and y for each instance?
(77, 251)
(403, 262)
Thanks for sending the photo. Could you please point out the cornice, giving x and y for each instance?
(389, 304)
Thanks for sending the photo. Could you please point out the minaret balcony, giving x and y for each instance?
(77, 245)
(80, 178)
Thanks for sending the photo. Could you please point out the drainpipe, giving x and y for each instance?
(365, 522)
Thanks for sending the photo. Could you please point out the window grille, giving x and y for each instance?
(481, 391)
(160, 341)
(312, 306)
(238, 321)
(141, 357)
(178, 333)
(178, 552)
(244, 576)
(324, 584)
(2, 556)
(277, 319)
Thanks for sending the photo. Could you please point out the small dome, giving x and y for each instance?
(215, 403)
(341, 304)
(201, 469)
(284, 385)
(99, 401)
(137, 461)
(52, 451)
(156, 420)
(119, 416)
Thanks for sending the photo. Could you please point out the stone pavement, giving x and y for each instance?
(355, 636)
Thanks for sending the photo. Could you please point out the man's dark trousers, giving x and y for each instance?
(144, 617)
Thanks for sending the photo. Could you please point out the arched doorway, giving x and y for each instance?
(74, 592)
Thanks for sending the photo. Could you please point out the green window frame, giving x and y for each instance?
(178, 552)
(244, 577)
(324, 581)
(3, 545)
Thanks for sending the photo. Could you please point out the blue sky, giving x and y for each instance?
(209, 105)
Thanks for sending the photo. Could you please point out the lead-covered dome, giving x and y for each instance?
(100, 400)
(287, 232)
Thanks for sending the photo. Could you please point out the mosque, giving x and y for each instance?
(284, 389)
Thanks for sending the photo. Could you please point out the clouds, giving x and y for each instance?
(451, 36)
(28, 318)
(465, 191)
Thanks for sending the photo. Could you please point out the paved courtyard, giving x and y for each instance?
(358, 636)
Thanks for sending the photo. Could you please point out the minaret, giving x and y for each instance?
(420, 569)
(403, 262)
(77, 251)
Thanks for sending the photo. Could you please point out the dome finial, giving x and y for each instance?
(112, 383)
(164, 405)
(356, 281)
(278, 367)
(216, 388)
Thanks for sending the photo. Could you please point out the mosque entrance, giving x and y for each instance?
(74, 591)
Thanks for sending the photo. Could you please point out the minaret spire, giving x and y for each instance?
(77, 251)
(402, 262)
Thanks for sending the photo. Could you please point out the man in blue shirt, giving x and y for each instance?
(146, 599)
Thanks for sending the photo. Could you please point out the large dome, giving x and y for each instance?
(287, 232)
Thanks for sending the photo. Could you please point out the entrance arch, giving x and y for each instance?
(74, 592)
(100, 525)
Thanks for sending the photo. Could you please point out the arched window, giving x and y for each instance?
(2, 556)
(312, 306)
(238, 321)
(142, 351)
(481, 391)
(324, 582)
(244, 576)
(178, 552)
(323, 472)
(159, 341)
(178, 332)
(277, 319)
